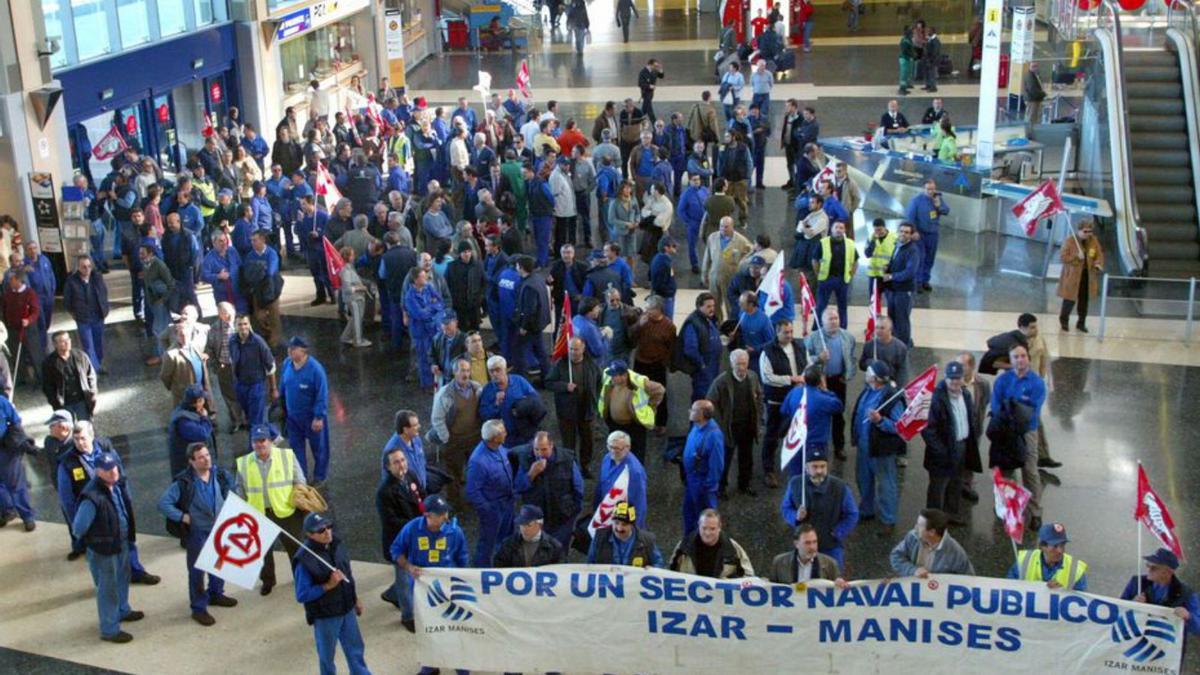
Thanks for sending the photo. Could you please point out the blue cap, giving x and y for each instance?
(598, 253)
(260, 432)
(617, 367)
(297, 341)
(448, 316)
(758, 260)
(315, 522)
(436, 504)
(107, 461)
(954, 371)
(225, 192)
(1053, 534)
(528, 514)
(193, 392)
(817, 454)
(1165, 557)
(880, 370)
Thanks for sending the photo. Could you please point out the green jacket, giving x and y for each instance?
(159, 282)
(516, 180)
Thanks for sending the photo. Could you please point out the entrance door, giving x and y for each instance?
(166, 142)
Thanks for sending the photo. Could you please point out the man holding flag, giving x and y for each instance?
(820, 406)
(310, 229)
(874, 432)
(824, 501)
(1020, 392)
(775, 293)
(575, 381)
(1161, 586)
(622, 479)
(325, 585)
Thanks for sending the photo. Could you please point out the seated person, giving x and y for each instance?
(893, 122)
(494, 35)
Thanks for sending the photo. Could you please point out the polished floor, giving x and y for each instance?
(1129, 398)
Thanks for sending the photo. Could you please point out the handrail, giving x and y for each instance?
(1120, 63)
(1190, 79)
(1190, 12)
(1190, 318)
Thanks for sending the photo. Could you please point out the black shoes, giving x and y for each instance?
(147, 579)
(74, 555)
(203, 618)
(223, 601)
(1081, 328)
(748, 491)
(266, 588)
(970, 495)
(1048, 463)
(409, 625)
(120, 638)
(133, 615)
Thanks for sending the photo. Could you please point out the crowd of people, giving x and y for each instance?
(429, 219)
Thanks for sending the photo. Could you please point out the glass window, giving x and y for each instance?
(91, 28)
(172, 18)
(134, 22)
(318, 54)
(204, 12)
(52, 12)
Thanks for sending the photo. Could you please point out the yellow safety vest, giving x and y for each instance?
(826, 255)
(881, 255)
(210, 193)
(279, 481)
(1029, 564)
(642, 409)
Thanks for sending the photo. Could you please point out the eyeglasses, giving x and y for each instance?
(323, 530)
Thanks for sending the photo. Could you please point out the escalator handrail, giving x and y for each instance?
(1190, 12)
(1119, 55)
(1124, 204)
(1190, 77)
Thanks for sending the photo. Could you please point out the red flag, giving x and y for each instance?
(874, 310)
(208, 129)
(523, 81)
(327, 188)
(1152, 512)
(919, 394)
(808, 304)
(333, 263)
(1011, 498)
(565, 332)
(1040, 204)
(111, 145)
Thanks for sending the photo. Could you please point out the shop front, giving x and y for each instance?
(157, 99)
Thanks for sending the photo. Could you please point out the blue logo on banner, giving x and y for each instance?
(1144, 640)
(460, 592)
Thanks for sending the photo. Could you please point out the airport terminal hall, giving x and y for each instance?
(665, 337)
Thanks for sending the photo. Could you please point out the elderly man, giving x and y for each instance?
(264, 284)
(702, 344)
(490, 490)
(873, 432)
(253, 368)
(1161, 586)
(833, 347)
(887, 348)
(981, 395)
(575, 382)
(454, 424)
(223, 331)
(617, 461)
(398, 499)
(627, 402)
(780, 367)
(266, 479)
(1019, 393)
(183, 366)
(433, 540)
(191, 505)
(531, 545)
(824, 502)
(220, 270)
(1050, 563)
(653, 337)
(708, 552)
(68, 378)
(104, 522)
(929, 549)
(624, 543)
(703, 463)
(304, 388)
(512, 400)
(950, 436)
(723, 250)
(736, 397)
(549, 479)
(805, 562)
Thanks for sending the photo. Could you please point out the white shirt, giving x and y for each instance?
(529, 130)
(958, 407)
(817, 222)
(768, 373)
(459, 157)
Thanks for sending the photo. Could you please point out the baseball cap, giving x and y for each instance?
(60, 417)
(625, 513)
(107, 461)
(1053, 534)
(449, 316)
(617, 367)
(880, 370)
(817, 454)
(528, 514)
(261, 431)
(436, 504)
(315, 522)
(758, 260)
(297, 341)
(954, 371)
(1163, 557)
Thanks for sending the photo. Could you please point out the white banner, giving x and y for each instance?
(240, 537)
(596, 619)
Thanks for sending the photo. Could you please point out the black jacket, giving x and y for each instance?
(558, 274)
(397, 502)
(581, 403)
(466, 284)
(1006, 431)
(55, 385)
(549, 552)
(998, 347)
(533, 304)
(939, 434)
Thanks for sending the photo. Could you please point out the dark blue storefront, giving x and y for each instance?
(156, 97)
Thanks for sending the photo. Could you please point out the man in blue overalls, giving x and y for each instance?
(305, 392)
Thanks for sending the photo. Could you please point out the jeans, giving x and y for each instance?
(137, 290)
(402, 591)
(541, 238)
(840, 290)
(532, 346)
(877, 485)
(899, 309)
(759, 155)
(763, 101)
(91, 339)
(157, 316)
(198, 597)
(111, 573)
(299, 432)
(808, 26)
(929, 246)
(399, 330)
(580, 39)
(583, 209)
(931, 75)
(329, 631)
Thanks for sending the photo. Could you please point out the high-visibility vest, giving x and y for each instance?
(642, 409)
(1029, 564)
(851, 254)
(881, 255)
(279, 481)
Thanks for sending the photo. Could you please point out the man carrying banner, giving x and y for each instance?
(873, 432)
(1051, 563)
(266, 479)
(191, 505)
(624, 543)
(929, 549)
(805, 562)
(708, 552)
(325, 585)
(1161, 586)
(821, 501)
(431, 540)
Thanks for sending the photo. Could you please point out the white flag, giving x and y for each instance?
(485, 85)
(619, 492)
(797, 434)
(239, 540)
(772, 285)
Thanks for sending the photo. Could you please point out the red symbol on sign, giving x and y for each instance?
(131, 125)
(245, 546)
(933, 585)
(164, 113)
(215, 93)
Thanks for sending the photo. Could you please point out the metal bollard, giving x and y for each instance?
(1191, 310)
(1103, 305)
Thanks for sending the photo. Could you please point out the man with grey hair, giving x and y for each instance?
(617, 461)
(642, 159)
(504, 399)
(455, 424)
(737, 398)
(490, 491)
(395, 223)
(575, 382)
(618, 317)
(606, 148)
(222, 331)
(357, 238)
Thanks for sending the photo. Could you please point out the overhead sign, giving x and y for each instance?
(624, 620)
(300, 21)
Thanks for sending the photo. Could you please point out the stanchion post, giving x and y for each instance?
(1103, 305)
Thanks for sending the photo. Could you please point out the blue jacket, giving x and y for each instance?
(305, 391)
(700, 165)
(421, 547)
(468, 115)
(493, 267)
(704, 455)
(87, 302)
(708, 361)
(41, 278)
(490, 487)
(757, 332)
(922, 213)
(256, 148)
(849, 507)
(253, 361)
(415, 454)
(269, 256)
(310, 230)
(822, 406)
(836, 212)
(424, 308)
(691, 206)
(610, 471)
(608, 179)
(207, 500)
(1029, 390)
(180, 252)
(904, 266)
(191, 219)
(508, 283)
(224, 291)
(518, 388)
(242, 229)
(664, 173)
(589, 331)
(870, 399)
(264, 217)
(662, 276)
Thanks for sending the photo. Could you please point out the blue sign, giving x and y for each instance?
(293, 24)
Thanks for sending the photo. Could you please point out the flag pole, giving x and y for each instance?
(804, 466)
(310, 551)
(1137, 525)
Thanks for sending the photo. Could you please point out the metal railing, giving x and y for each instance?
(1188, 11)
(1189, 314)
